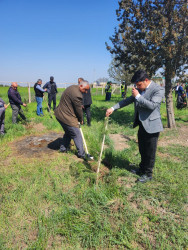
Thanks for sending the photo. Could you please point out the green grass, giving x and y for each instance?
(53, 203)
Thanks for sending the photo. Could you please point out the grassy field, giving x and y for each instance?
(50, 200)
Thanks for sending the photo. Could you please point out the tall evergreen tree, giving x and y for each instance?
(153, 33)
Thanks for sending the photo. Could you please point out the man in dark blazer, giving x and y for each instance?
(69, 114)
(87, 101)
(147, 99)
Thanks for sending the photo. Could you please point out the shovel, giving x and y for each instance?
(85, 145)
(102, 147)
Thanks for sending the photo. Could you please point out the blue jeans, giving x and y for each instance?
(39, 105)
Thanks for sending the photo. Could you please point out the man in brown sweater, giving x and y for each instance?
(69, 114)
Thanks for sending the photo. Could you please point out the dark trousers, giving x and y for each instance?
(2, 120)
(52, 97)
(15, 111)
(86, 110)
(72, 133)
(147, 147)
(108, 96)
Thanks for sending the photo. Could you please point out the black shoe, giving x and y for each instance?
(62, 150)
(25, 122)
(137, 172)
(89, 157)
(144, 178)
(83, 157)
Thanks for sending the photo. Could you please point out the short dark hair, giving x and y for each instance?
(139, 76)
(51, 78)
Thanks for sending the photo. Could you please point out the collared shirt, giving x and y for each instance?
(177, 87)
(40, 88)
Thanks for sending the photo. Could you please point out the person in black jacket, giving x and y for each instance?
(87, 101)
(15, 102)
(39, 93)
(52, 91)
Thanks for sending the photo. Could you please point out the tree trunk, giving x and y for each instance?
(169, 103)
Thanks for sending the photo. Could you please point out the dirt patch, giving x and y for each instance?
(120, 141)
(180, 137)
(102, 172)
(160, 211)
(39, 127)
(127, 182)
(115, 205)
(35, 146)
(165, 155)
(130, 196)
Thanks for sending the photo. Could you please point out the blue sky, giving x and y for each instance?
(63, 38)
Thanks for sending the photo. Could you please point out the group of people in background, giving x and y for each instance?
(181, 93)
(74, 103)
(16, 102)
(51, 88)
(108, 90)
